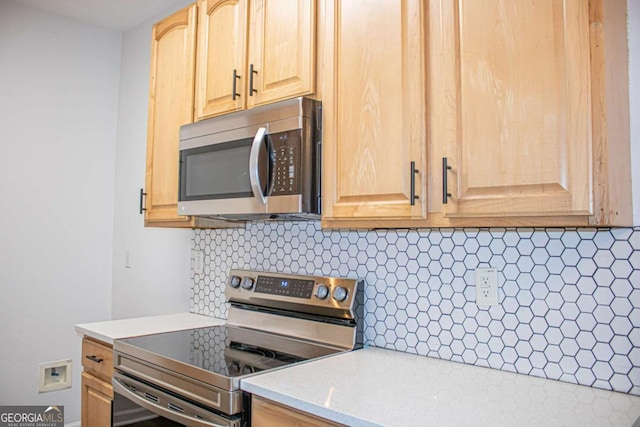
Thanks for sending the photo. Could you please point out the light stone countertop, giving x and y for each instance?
(378, 387)
(113, 329)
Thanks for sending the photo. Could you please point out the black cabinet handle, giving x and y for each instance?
(142, 194)
(251, 73)
(94, 358)
(233, 90)
(445, 190)
(412, 190)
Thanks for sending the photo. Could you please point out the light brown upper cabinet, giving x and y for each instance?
(253, 52)
(514, 107)
(170, 106)
(220, 75)
(374, 102)
(527, 102)
(522, 107)
(282, 50)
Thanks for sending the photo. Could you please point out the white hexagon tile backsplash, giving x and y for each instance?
(569, 298)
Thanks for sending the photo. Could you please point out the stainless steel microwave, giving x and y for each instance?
(260, 163)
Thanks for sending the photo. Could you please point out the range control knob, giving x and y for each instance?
(340, 294)
(234, 281)
(247, 283)
(322, 292)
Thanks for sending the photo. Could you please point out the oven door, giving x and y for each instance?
(226, 173)
(137, 403)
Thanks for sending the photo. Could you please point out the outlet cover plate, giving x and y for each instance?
(487, 286)
(198, 262)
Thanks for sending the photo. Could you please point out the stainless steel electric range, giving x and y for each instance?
(193, 377)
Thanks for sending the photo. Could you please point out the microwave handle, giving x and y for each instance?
(254, 168)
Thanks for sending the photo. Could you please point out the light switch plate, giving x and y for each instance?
(127, 258)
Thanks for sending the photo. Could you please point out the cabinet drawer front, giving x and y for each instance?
(97, 358)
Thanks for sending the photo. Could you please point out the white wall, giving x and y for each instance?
(159, 281)
(633, 15)
(58, 112)
(73, 106)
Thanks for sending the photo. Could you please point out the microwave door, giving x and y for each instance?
(215, 174)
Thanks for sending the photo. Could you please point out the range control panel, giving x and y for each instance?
(297, 288)
(292, 292)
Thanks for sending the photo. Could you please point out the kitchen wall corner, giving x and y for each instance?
(157, 281)
(633, 17)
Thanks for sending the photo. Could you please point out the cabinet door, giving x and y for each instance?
(510, 101)
(281, 49)
(97, 397)
(221, 70)
(170, 106)
(265, 413)
(374, 111)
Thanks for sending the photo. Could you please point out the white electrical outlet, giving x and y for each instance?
(487, 286)
(198, 262)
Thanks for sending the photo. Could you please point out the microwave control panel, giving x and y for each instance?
(286, 164)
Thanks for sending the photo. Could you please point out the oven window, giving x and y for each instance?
(128, 414)
(219, 171)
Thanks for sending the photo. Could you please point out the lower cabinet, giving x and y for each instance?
(97, 391)
(265, 413)
(97, 397)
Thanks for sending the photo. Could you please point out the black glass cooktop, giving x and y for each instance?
(225, 350)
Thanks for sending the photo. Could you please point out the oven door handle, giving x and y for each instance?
(134, 390)
(258, 144)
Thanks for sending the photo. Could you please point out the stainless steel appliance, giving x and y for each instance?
(254, 164)
(193, 377)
